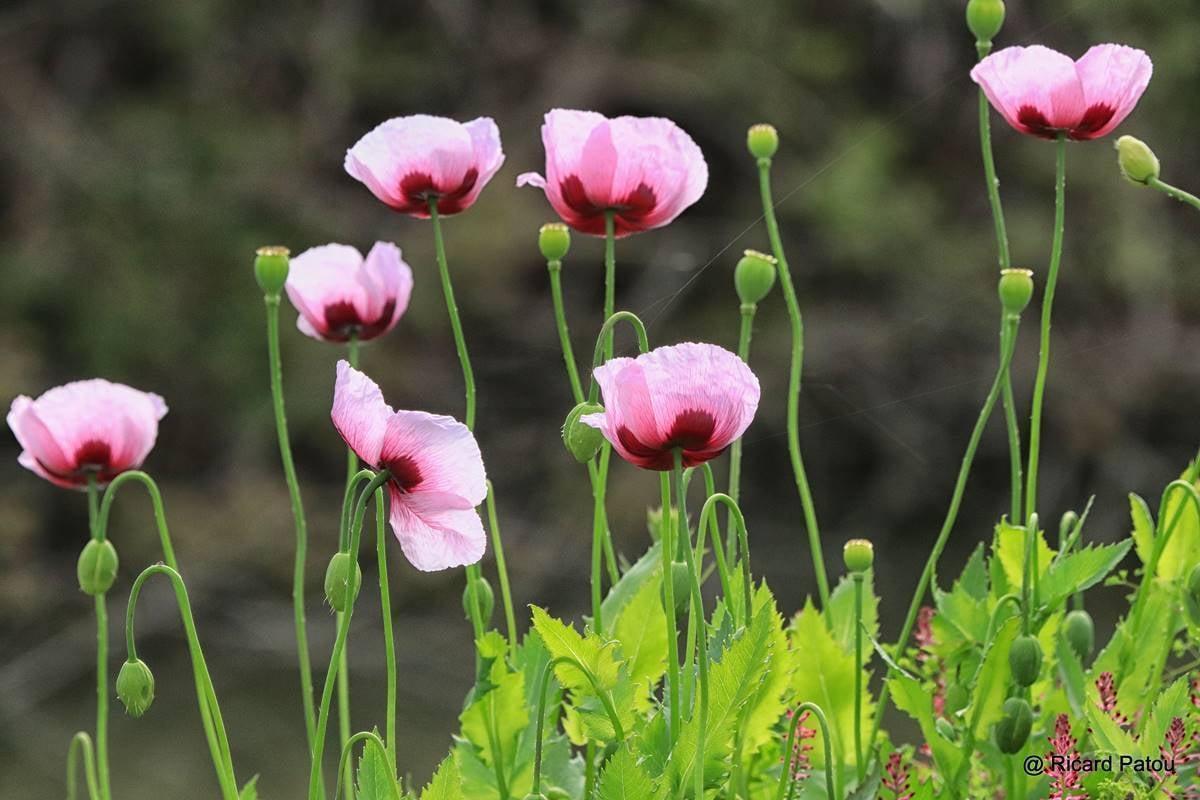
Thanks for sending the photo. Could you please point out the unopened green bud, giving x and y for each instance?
(582, 440)
(1081, 632)
(97, 567)
(271, 269)
(956, 698)
(1012, 731)
(554, 240)
(754, 276)
(1137, 161)
(340, 590)
(985, 18)
(762, 140)
(1016, 289)
(859, 555)
(1025, 659)
(946, 728)
(135, 687)
(487, 599)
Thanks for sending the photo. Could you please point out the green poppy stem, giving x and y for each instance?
(858, 677)
(745, 332)
(1175, 193)
(101, 605)
(82, 743)
(832, 791)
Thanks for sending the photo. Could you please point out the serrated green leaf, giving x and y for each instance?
(628, 585)
(841, 611)
(641, 631)
(990, 689)
(446, 783)
(492, 722)
(250, 790)
(1070, 672)
(1143, 527)
(767, 704)
(624, 779)
(1080, 570)
(974, 577)
(911, 697)
(562, 640)
(376, 781)
(1174, 702)
(1009, 548)
(1107, 735)
(1182, 550)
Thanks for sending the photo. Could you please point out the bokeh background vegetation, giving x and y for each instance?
(146, 149)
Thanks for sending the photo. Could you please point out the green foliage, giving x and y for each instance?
(624, 779)
(375, 780)
(250, 790)
(446, 783)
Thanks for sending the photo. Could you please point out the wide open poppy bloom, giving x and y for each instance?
(85, 429)
(645, 170)
(437, 476)
(1043, 93)
(407, 162)
(340, 294)
(697, 398)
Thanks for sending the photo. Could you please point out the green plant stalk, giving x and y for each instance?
(460, 342)
(389, 640)
(605, 701)
(832, 791)
(510, 619)
(82, 743)
(589, 770)
(1039, 385)
(206, 695)
(667, 550)
(960, 486)
(1175, 193)
(371, 738)
(301, 526)
(858, 677)
(698, 611)
(1028, 575)
(745, 332)
(343, 681)
(1013, 428)
(794, 374)
(101, 605)
(707, 517)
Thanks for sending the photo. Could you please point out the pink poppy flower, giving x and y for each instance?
(85, 428)
(437, 476)
(1042, 92)
(698, 398)
(645, 170)
(408, 161)
(339, 293)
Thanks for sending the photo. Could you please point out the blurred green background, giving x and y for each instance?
(147, 148)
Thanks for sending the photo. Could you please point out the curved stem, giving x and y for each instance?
(389, 640)
(160, 518)
(301, 526)
(639, 330)
(510, 619)
(858, 677)
(1163, 535)
(460, 342)
(370, 737)
(1175, 193)
(794, 375)
(667, 551)
(206, 695)
(1039, 384)
(82, 743)
(785, 780)
(735, 514)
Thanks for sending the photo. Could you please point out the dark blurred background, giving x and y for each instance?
(146, 149)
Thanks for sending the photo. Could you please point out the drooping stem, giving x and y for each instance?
(510, 619)
(82, 743)
(701, 627)
(1175, 193)
(1039, 384)
(460, 342)
(794, 374)
(301, 525)
(786, 778)
(160, 518)
(206, 695)
(667, 550)
(372, 739)
(739, 523)
(101, 604)
(389, 640)
(858, 677)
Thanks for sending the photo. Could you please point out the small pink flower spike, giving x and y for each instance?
(409, 161)
(698, 398)
(85, 428)
(645, 170)
(340, 294)
(1043, 93)
(437, 476)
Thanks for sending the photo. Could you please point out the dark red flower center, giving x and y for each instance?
(629, 213)
(691, 432)
(419, 188)
(93, 457)
(406, 475)
(1094, 119)
(342, 321)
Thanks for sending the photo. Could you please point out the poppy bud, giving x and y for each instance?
(271, 269)
(681, 585)
(339, 592)
(487, 599)
(97, 567)
(1012, 731)
(1025, 659)
(582, 440)
(956, 698)
(762, 140)
(1081, 633)
(554, 240)
(1137, 161)
(858, 554)
(754, 276)
(135, 687)
(985, 18)
(946, 729)
(1016, 289)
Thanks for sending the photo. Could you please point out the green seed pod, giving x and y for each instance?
(1016, 289)
(762, 140)
(956, 698)
(271, 269)
(582, 440)
(1081, 633)
(554, 240)
(97, 567)
(135, 687)
(1136, 160)
(487, 599)
(946, 729)
(754, 276)
(1012, 731)
(985, 18)
(859, 555)
(339, 592)
(1025, 659)
(681, 585)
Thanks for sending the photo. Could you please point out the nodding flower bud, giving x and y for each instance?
(97, 567)
(754, 276)
(1025, 660)
(858, 554)
(1137, 161)
(343, 579)
(582, 440)
(1012, 731)
(271, 269)
(985, 18)
(1016, 289)
(135, 687)
(487, 599)
(762, 140)
(554, 240)
(1081, 632)
(1066, 524)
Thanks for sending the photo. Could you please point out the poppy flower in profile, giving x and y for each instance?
(340, 294)
(437, 476)
(1044, 93)
(645, 170)
(696, 398)
(409, 162)
(85, 429)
